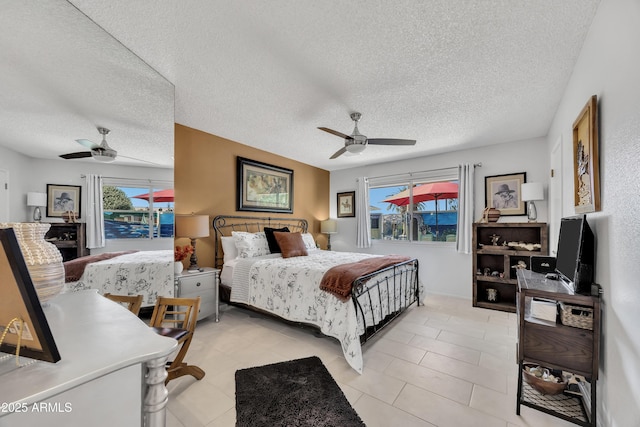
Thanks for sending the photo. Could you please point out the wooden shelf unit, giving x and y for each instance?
(69, 238)
(554, 345)
(502, 259)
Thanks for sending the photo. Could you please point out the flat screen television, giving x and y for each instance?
(576, 253)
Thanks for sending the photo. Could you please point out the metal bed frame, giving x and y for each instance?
(399, 279)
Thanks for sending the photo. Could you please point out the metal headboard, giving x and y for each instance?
(223, 225)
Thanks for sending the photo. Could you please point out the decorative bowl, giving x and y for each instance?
(545, 383)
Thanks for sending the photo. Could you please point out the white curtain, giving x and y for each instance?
(363, 225)
(95, 212)
(466, 191)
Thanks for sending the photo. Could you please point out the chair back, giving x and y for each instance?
(179, 313)
(132, 302)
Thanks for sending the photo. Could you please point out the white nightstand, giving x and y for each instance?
(203, 284)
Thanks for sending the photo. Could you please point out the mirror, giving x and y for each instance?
(62, 76)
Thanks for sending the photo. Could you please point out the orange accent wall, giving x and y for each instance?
(205, 183)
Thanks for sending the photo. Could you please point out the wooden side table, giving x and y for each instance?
(203, 284)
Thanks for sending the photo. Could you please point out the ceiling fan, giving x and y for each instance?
(100, 152)
(356, 142)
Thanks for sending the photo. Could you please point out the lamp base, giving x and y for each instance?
(37, 215)
(193, 261)
(532, 212)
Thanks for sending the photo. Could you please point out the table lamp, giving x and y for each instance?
(193, 227)
(532, 191)
(329, 227)
(36, 200)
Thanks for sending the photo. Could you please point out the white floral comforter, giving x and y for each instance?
(289, 288)
(147, 273)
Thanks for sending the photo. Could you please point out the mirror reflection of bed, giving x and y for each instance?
(347, 296)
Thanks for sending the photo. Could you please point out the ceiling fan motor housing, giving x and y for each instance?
(105, 156)
(356, 144)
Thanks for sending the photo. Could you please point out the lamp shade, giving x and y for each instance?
(192, 226)
(329, 226)
(36, 199)
(532, 191)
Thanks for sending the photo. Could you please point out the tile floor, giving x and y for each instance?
(441, 364)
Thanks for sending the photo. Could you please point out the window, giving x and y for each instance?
(416, 208)
(137, 210)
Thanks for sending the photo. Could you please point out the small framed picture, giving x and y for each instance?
(346, 204)
(63, 198)
(21, 315)
(503, 192)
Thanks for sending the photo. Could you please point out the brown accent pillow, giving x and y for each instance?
(291, 244)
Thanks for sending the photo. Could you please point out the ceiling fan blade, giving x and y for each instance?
(389, 141)
(138, 160)
(89, 144)
(78, 155)
(339, 153)
(336, 133)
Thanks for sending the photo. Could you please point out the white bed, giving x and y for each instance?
(290, 288)
(147, 273)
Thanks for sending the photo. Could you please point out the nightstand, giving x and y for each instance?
(203, 284)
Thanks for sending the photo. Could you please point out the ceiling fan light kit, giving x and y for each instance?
(356, 142)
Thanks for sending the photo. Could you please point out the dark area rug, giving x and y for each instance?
(295, 393)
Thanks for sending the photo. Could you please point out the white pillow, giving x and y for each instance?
(251, 245)
(229, 248)
(309, 241)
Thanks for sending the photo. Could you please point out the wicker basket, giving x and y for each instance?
(576, 316)
(542, 386)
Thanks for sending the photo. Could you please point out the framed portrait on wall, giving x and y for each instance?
(346, 204)
(503, 192)
(21, 313)
(262, 187)
(62, 199)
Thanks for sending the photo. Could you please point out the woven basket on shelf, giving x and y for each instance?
(576, 316)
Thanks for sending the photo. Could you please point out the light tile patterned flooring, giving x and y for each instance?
(441, 364)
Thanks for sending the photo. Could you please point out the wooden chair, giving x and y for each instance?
(176, 318)
(133, 302)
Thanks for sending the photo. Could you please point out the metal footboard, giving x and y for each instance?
(382, 296)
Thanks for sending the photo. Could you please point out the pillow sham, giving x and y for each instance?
(229, 249)
(271, 240)
(250, 245)
(309, 241)
(291, 244)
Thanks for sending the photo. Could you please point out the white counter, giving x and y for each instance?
(111, 372)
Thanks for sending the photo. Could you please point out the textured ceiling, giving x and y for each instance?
(450, 74)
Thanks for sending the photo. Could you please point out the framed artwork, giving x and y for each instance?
(20, 309)
(503, 192)
(263, 188)
(586, 171)
(346, 204)
(63, 198)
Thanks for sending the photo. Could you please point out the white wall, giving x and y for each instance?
(29, 174)
(442, 269)
(609, 67)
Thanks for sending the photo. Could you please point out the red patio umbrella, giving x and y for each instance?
(425, 192)
(158, 196)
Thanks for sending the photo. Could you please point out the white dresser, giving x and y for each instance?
(203, 284)
(111, 372)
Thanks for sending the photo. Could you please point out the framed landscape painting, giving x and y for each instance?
(262, 187)
(503, 192)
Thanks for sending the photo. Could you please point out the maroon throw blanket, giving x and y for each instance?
(74, 269)
(339, 279)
